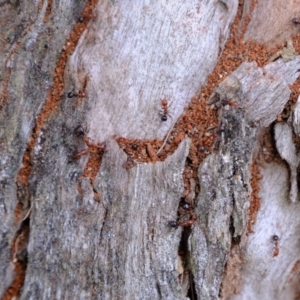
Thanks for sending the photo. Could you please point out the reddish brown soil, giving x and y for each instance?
(255, 200)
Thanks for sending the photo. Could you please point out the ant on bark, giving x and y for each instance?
(82, 18)
(229, 102)
(80, 153)
(275, 239)
(165, 110)
(98, 148)
(79, 131)
(184, 223)
(80, 94)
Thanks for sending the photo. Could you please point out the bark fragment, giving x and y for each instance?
(224, 198)
(287, 150)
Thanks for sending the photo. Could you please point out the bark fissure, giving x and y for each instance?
(106, 212)
(186, 278)
(19, 258)
(192, 293)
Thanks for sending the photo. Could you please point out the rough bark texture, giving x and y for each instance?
(117, 247)
(32, 43)
(160, 51)
(83, 217)
(224, 199)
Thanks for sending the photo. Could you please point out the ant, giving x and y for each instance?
(172, 224)
(229, 102)
(80, 94)
(79, 131)
(80, 153)
(165, 112)
(296, 21)
(98, 148)
(187, 223)
(81, 19)
(129, 163)
(275, 239)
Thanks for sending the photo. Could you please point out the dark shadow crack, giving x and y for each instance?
(19, 259)
(186, 279)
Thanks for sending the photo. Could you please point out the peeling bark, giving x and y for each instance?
(225, 176)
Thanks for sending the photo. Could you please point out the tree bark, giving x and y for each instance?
(101, 198)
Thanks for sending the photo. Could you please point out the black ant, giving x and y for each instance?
(172, 224)
(187, 223)
(79, 131)
(79, 94)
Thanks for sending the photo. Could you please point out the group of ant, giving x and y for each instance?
(186, 209)
(81, 132)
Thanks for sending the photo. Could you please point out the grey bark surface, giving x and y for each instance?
(28, 58)
(267, 276)
(224, 199)
(120, 246)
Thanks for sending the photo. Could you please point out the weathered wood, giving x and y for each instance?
(249, 99)
(119, 248)
(271, 257)
(284, 144)
(296, 117)
(271, 21)
(132, 55)
(31, 43)
(269, 265)
(109, 237)
(135, 54)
